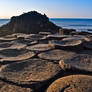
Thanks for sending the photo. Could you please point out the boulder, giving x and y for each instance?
(73, 83)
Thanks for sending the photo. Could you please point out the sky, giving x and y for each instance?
(52, 8)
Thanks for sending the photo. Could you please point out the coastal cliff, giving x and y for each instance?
(31, 22)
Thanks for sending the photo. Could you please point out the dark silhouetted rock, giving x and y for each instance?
(66, 31)
(88, 44)
(31, 22)
(84, 33)
(89, 29)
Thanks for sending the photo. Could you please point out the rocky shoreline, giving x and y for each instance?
(45, 61)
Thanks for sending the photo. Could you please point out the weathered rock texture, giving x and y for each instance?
(73, 83)
(31, 22)
(82, 62)
(32, 62)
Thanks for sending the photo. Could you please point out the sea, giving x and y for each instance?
(70, 23)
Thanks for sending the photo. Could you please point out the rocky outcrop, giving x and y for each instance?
(65, 31)
(31, 22)
(31, 63)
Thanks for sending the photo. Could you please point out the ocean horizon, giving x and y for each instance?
(79, 24)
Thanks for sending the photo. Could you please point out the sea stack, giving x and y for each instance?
(31, 22)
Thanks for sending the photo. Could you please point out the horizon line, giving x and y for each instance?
(70, 18)
(58, 18)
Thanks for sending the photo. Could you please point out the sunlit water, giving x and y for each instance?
(3, 21)
(78, 24)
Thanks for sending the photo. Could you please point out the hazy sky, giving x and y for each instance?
(53, 8)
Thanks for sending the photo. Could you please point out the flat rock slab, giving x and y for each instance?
(40, 47)
(4, 87)
(5, 39)
(81, 62)
(68, 43)
(15, 55)
(57, 37)
(19, 35)
(35, 37)
(57, 54)
(5, 44)
(12, 45)
(17, 45)
(73, 83)
(45, 33)
(32, 71)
